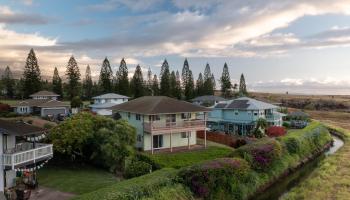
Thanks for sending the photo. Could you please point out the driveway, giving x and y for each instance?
(44, 193)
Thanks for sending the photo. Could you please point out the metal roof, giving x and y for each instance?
(208, 98)
(245, 103)
(111, 96)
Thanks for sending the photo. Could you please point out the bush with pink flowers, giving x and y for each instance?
(276, 131)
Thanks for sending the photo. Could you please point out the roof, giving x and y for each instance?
(208, 98)
(103, 105)
(245, 103)
(45, 93)
(45, 103)
(19, 128)
(111, 96)
(298, 114)
(151, 105)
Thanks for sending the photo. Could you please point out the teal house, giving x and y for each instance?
(239, 116)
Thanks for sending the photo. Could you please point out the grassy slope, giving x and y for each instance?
(77, 181)
(182, 159)
(331, 180)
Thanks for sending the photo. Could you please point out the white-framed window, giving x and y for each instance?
(184, 134)
(138, 117)
(185, 115)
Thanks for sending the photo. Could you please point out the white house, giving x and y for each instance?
(20, 150)
(103, 103)
(43, 103)
(163, 122)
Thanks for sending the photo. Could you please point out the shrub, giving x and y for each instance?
(276, 131)
(221, 178)
(137, 168)
(286, 124)
(144, 158)
(293, 145)
(48, 126)
(260, 154)
(5, 107)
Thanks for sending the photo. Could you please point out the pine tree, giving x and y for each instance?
(213, 82)
(148, 88)
(187, 81)
(106, 77)
(137, 84)
(177, 89)
(242, 86)
(88, 85)
(165, 88)
(155, 86)
(225, 81)
(31, 75)
(200, 85)
(8, 83)
(208, 88)
(73, 77)
(57, 83)
(122, 84)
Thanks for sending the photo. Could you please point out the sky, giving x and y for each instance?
(298, 46)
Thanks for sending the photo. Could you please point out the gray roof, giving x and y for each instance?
(208, 98)
(45, 93)
(19, 128)
(103, 105)
(298, 114)
(151, 105)
(111, 96)
(44, 103)
(244, 103)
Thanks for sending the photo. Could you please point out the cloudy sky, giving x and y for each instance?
(298, 46)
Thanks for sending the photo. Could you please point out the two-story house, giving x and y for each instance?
(239, 116)
(43, 103)
(163, 122)
(20, 150)
(103, 103)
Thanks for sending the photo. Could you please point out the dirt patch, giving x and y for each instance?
(44, 193)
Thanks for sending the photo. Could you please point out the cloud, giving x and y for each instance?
(10, 17)
(111, 5)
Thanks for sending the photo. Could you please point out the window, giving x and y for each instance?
(184, 134)
(138, 117)
(154, 118)
(139, 138)
(236, 113)
(255, 114)
(185, 115)
(128, 115)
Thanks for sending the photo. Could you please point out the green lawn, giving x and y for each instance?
(75, 180)
(187, 158)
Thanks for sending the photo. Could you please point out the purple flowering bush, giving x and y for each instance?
(220, 178)
(260, 154)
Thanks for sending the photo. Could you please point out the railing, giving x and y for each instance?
(166, 126)
(17, 158)
(272, 117)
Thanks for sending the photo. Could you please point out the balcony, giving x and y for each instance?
(26, 153)
(157, 128)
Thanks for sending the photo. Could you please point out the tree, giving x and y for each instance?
(225, 81)
(76, 102)
(149, 82)
(213, 82)
(155, 86)
(260, 126)
(87, 84)
(106, 77)
(8, 83)
(208, 85)
(73, 77)
(242, 86)
(137, 86)
(31, 75)
(165, 88)
(122, 83)
(176, 85)
(94, 139)
(200, 85)
(187, 81)
(57, 83)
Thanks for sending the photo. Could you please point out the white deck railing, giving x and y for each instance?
(165, 126)
(31, 155)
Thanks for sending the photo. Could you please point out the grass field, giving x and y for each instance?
(75, 180)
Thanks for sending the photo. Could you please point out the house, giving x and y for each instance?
(163, 122)
(43, 103)
(20, 150)
(207, 100)
(103, 103)
(239, 116)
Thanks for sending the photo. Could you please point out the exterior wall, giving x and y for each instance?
(176, 140)
(102, 111)
(10, 178)
(53, 111)
(23, 110)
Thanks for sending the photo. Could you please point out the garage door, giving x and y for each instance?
(55, 112)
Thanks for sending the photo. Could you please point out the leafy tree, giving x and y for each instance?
(187, 81)
(155, 86)
(208, 85)
(88, 85)
(122, 84)
(225, 81)
(31, 75)
(73, 77)
(200, 90)
(106, 77)
(95, 139)
(57, 83)
(165, 88)
(76, 102)
(137, 86)
(8, 83)
(242, 86)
